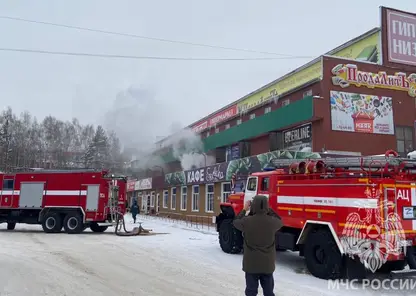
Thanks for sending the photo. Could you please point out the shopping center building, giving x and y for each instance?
(358, 99)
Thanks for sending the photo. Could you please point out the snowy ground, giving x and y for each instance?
(183, 262)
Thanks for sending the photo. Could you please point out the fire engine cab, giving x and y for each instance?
(346, 215)
(68, 199)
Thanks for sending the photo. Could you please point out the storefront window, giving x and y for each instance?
(152, 199)
(195, 198)
(184, 198)
(209, 198)
(225, 191)
(165, 199)
(404, 138)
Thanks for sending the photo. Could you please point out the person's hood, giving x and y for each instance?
(260, 205)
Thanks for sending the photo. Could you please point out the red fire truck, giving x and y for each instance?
(68, 199)
(346, 216)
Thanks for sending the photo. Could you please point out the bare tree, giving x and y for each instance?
(24, 143)
(5, 140)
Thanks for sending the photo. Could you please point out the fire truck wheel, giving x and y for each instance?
(231, 240)
(390, 266)
(411, 256)
(96, 228)
(52, 223)
(322, 255)
(11, 225)
(73, 223)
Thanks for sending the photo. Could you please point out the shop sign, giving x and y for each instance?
(214, 120)
(175, 179)
(351, 112)
(212, 174)
(130, 185)
(200, 126)
(345, 75)
(143, 184)
(195, 176)
(284, 85)
(298, 138)
(366, 50)
(401, 37)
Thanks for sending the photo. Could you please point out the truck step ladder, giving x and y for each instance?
(403, 273)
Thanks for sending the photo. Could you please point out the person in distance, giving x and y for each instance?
(134, 210)
(259, 233)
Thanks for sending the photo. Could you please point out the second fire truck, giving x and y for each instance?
(61, 199)
(346, 216)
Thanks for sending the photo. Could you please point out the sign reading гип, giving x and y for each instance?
(401, 37)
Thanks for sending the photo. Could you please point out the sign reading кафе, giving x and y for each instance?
(212, 174)
(347, 74)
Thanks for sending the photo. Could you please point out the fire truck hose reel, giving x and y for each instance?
(391, 153)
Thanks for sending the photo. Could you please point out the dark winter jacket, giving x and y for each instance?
(259, 232)
(134, 209)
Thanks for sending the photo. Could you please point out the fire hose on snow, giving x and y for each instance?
(121, 225)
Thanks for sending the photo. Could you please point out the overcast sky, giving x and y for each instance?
(87, 87)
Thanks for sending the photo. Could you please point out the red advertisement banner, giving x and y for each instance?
(130, 185)
(215, 119)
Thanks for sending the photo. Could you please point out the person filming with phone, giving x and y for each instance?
(259, 233)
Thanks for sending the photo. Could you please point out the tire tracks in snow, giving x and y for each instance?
(76, 263)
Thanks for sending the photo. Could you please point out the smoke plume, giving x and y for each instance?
(187, 148)
(141, 121)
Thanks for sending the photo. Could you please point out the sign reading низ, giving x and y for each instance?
(401, 37)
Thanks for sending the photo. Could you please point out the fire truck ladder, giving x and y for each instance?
(369, 164)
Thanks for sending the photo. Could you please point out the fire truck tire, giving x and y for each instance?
(411, 257)
(322, 256)
(52, 223)
(11, 225)
(96, 228)
(73, 223)
(390, 266)
(231, 239)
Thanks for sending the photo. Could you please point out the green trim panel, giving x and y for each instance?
(291, 114)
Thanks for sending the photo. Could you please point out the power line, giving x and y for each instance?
(140, 57)
(142, 37)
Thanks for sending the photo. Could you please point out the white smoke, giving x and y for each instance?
(140, 120)
(187, 147)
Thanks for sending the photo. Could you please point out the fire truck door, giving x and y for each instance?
(251, 188)
(1, 191)
(390, 199)
(264, 186)
(389, 203)
(7, 192)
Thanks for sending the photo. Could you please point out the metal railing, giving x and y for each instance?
(197, 222)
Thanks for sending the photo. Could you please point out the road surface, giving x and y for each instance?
(182, 262)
